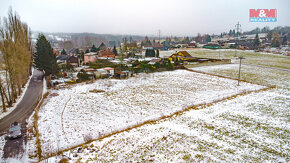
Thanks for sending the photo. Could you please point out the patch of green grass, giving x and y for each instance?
(270, 60)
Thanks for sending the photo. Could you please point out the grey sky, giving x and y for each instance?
(143, 17)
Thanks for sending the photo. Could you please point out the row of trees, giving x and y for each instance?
(16, 49)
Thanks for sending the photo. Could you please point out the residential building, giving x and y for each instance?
(106, 54)
(132, 46)
(109, 70)
(180, 56)
(90, 57)
(153, 61)
(155, 47)
(67, 59)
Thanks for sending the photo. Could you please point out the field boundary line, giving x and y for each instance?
(35, 126)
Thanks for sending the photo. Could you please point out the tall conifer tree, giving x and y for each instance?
(44, 58)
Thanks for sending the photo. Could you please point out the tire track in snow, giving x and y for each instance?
(63, 112)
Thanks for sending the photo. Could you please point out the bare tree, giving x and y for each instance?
(16, 49)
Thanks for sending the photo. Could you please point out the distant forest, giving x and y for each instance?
(70, 40)
(281, 30)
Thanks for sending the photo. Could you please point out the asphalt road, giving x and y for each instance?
(22, 111)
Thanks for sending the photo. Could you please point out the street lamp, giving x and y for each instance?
(240, 69)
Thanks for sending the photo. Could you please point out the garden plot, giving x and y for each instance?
(77, 115)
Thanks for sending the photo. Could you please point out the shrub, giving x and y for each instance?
(101, 63)
(83, 76)
(170, 66)
(64, 160)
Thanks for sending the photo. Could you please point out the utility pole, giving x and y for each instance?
(238, 29)
(159, 33)
(240, 69)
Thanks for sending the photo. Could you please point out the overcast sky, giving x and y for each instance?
(143, 17)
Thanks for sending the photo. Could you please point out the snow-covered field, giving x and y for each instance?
(251, 73)
(249, 128)
(76, 115)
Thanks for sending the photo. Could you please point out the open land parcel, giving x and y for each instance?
(251, 127)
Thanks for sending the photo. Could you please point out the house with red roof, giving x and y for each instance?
(106, 54)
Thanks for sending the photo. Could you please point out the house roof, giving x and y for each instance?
(91, 53)
(105, 52)
(72, 59)
(63, 57)
(108, 68)
(191, 44)
(90, 69)
(212, 44)
(185, 53)
(154, 46)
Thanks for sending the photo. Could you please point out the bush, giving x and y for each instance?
(157, 65)
(101, 64)
(83, 76)
(170, 66)
(64, 160)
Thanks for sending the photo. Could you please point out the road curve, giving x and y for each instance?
(22, 111)
(26, 106)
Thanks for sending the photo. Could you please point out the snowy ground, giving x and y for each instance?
(269, 59)
(77, 115)
(249, 128)
(2, 143)
(251, 73)
(241, 130)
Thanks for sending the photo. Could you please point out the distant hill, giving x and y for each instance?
(84, 39)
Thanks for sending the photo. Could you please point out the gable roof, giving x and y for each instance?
(63, 57)
(90, 53)
(72, 59)
(105, 52)
(108, 68)
(185, 53)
